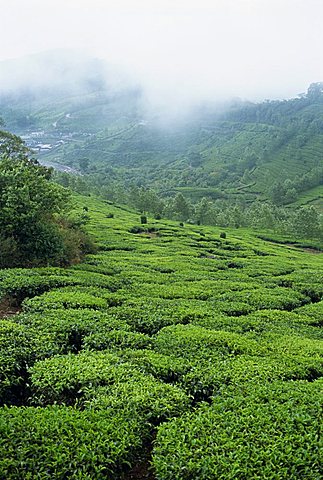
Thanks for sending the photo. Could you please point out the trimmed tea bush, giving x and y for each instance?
(60, 442)
(118, 339)
(64, 378)
(150, 399)
(272, 432)
(192, 341)
(66, 329)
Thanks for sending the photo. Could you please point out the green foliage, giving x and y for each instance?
(60, 299)
(30, 206)
(66, 378)
(211, 344)
(117, 338)
(14, 353)
(69, 330)
(271, 429)
(154, 401)
(196, 342)
(62, 442)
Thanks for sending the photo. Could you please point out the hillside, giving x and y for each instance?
(239, 151)
(172, 354)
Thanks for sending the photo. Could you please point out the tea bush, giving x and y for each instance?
(151, 400)
(168, 368)
(64, 378)
(67, 329)
(271, 432)
(58, 299)
(118, 339)
(192, 341)
(62, 442)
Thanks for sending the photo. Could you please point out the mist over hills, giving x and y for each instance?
(81, 112)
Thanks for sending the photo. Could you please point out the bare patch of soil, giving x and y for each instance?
(8, 308)
(141, 471)
(304, 249)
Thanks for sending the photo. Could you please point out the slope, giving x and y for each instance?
(205, 351)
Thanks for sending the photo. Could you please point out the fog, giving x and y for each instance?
(182, 53)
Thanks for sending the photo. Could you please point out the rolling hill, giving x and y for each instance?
(239, 151)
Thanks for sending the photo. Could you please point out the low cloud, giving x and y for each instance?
(181, 53)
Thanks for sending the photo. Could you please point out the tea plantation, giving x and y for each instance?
(171, 354)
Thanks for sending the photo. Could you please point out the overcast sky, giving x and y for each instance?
(196, 49)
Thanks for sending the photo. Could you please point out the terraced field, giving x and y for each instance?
(173, 353)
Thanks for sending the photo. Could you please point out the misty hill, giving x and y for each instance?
(86, 115)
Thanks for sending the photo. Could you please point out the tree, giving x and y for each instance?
(307, 222)
(31, 209)
(181, 207)
(84, 164)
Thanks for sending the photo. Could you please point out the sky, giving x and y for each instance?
(181, 51)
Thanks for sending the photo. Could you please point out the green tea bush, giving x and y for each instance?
(234, 308)
(192, 341)
(206, 379)
(65, 378)
(21, 283)
(149, 399)
(18, 283)
(151, 314)
(168, 368)
(313, 312)
(66, 329)
(57, 299)
(19, 348)
(61, 442)
(262, 322)
(293, 345)
(117, 339)
(267, 298)
(308, 281)
(15, 346)
(270, 432)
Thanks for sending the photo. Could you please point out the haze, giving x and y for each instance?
(179, 51)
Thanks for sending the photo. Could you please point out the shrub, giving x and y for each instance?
(117, 339)
(66, 378)
(192, 341)
(57, 299)
(66, 330)
(15, 349)
(136, 229)
(163, 367)
(271, 432)
(150, 399)
(61, 442)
